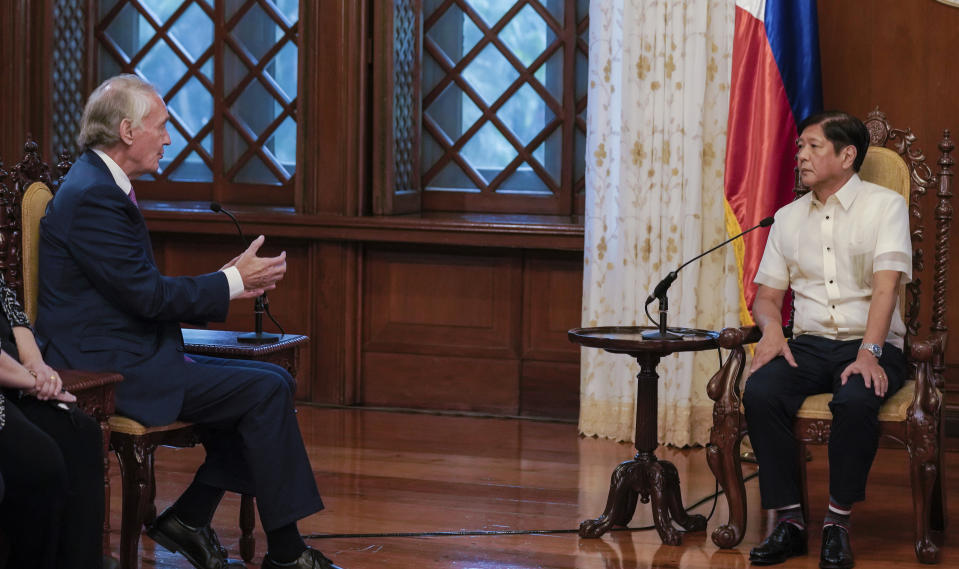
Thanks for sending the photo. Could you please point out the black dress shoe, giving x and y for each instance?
(200, 546)
(836, 551)
(309, 559)
(784, 542)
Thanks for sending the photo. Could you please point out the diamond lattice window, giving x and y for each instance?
(227, 70)
(504, 101)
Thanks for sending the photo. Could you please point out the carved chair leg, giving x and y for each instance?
(135, 456)
(105, 429)
(722, 452)
(925, 475)
(247, 523)
(725, 463)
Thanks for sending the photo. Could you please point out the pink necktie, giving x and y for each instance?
(133, 197)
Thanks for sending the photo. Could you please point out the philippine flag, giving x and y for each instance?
(775, 84)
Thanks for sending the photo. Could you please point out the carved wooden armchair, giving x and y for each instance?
(912, 418)
(24, 192)
(133, 443)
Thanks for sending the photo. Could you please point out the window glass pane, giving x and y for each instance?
(490, 74)
(453, 112)
(192, 106)
(452, 177)
(193, 31)
(250, 106)
(283, 144)
(526, 114)
(523, 181)
(130, 31)
(289, 8)
(283, 70)
(255, 172)
(193, 169)
(161, 9)
(455, 33)
(488, 151)
(491, 10)
(255, 32)
(527, 35)
(161, 67)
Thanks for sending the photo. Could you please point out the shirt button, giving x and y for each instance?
(827, 217)
(828, 248)
(830, 282)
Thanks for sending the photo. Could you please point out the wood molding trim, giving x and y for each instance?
(561, 233)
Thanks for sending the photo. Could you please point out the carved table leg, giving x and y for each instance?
(621, 502)
(672, 498)
(645, 476)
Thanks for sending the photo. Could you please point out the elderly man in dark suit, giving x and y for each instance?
(105, 306)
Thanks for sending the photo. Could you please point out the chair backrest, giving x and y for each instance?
(13, 226)
(32, 210)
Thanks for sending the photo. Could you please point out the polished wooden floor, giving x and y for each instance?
(427, 477)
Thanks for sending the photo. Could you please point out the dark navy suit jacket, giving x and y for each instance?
(103, 304)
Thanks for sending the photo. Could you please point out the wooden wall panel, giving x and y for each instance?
(553, 298)
(900, 56)
(450, 382)
(334, 285)
(418, 301)
(549, 389)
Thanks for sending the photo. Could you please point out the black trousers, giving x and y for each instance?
(51, 461)
(773, 396)
(247, 424)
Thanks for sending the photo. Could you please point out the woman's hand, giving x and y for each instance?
(49, 385)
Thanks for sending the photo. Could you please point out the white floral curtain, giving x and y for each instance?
(658, 102)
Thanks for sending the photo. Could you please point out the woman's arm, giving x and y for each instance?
(48, 383)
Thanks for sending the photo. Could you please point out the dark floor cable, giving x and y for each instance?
(714, 497)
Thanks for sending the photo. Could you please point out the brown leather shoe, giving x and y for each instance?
(309, 559)
(784, 542)
(200, 546)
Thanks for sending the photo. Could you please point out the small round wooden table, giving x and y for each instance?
(645, 477)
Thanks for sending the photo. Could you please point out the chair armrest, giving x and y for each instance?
(76, 381)
(94, 390)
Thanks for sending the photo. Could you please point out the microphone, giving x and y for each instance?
(660, 291)
(260, 305)
(664, 284)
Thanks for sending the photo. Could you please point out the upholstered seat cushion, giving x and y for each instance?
(893, 410)
(125, 425)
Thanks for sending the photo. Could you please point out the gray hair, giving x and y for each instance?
(120, 97)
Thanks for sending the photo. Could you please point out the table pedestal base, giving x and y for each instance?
(648, 479)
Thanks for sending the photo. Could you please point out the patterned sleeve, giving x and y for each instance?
(11, 306)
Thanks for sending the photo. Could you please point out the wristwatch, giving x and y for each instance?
(874, 349)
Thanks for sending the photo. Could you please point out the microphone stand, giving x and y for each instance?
(258, 336)
(662, 333)
(659, 293)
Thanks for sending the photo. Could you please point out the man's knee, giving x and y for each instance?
(855, 400)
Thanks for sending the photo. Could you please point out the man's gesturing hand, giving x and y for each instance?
(259, 273)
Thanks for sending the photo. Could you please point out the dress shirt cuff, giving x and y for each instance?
(770, 281)
(893, 261)
(235, 280)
